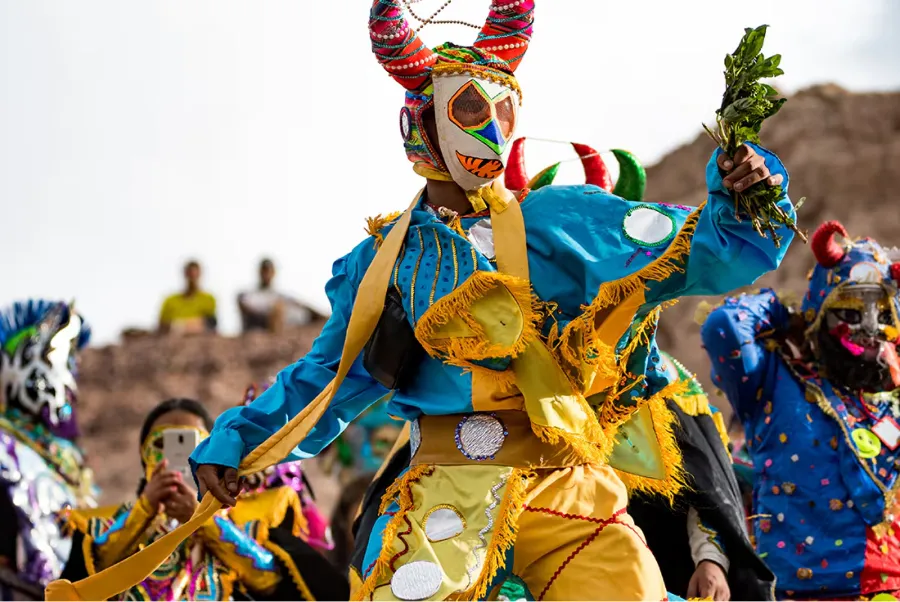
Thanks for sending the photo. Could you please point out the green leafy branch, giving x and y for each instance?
(746, 104)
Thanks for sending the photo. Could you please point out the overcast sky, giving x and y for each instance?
(134, 135)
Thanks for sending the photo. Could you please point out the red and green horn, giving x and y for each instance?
(595, 171)
(631, 184)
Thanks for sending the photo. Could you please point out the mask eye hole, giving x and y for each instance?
(506, 117)
(886, 317)
(850, 316)
(469, 108)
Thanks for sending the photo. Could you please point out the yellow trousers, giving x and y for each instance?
(570, 535)
(576, 542)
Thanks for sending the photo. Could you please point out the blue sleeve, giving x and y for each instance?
(581, 237)
(732, 337)
(240, 430)
(726, 253)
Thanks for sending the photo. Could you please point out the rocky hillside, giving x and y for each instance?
(119, 384)
(843, 152)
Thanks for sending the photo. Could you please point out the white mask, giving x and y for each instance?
(475, 121)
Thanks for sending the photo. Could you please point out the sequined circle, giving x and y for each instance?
(417, 580)
(648, 226)
(405, 123)
(415, 437)
(480, 436)
(443, 522)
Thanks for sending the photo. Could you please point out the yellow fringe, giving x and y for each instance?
(457, 305)
(292, 569)
(504, 535)
(612, 293)
(676, 479)
(402, 491)
(374, 225)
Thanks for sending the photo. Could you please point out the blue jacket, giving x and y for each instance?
(578, 238)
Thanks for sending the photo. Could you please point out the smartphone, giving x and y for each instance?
(178, 444)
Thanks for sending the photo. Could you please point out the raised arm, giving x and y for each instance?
(239, 431)
(587, 246)
(726, 252)
(734, 337)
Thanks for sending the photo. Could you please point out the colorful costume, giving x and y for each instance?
(538, 319)
(41, 467)
(600, 268)
(711, 506)
(254, 551)
(817, 394)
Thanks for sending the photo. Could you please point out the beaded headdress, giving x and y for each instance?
(495, 55)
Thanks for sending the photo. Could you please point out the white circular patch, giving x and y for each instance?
(866, 272)
(443, 523)
(417, 580)
(648, 226)
(480, 436)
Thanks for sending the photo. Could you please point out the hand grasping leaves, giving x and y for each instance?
(746, 104)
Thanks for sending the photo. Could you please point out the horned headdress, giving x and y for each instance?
(471, 89)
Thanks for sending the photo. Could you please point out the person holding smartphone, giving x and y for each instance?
(219, 562)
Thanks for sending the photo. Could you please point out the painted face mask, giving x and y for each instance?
(852, 308)
(40, 341)
(472, 90)
(475, 123)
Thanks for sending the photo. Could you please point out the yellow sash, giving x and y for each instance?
(135, 569)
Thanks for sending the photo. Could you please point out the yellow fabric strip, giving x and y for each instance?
(363, 319)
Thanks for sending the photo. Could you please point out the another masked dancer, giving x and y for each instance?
(42, 469)
(229, 557)
(538, 322)
(817, 392)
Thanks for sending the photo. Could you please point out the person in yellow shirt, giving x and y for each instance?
(191, 311)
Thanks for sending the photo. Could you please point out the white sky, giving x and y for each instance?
(134, 135)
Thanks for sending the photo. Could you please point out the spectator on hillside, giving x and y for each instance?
(190, 311)
(265, 308)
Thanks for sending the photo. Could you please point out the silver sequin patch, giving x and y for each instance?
(415, 437)
(480, 436)
(417, 580)
(442, 523)
(481, 235)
